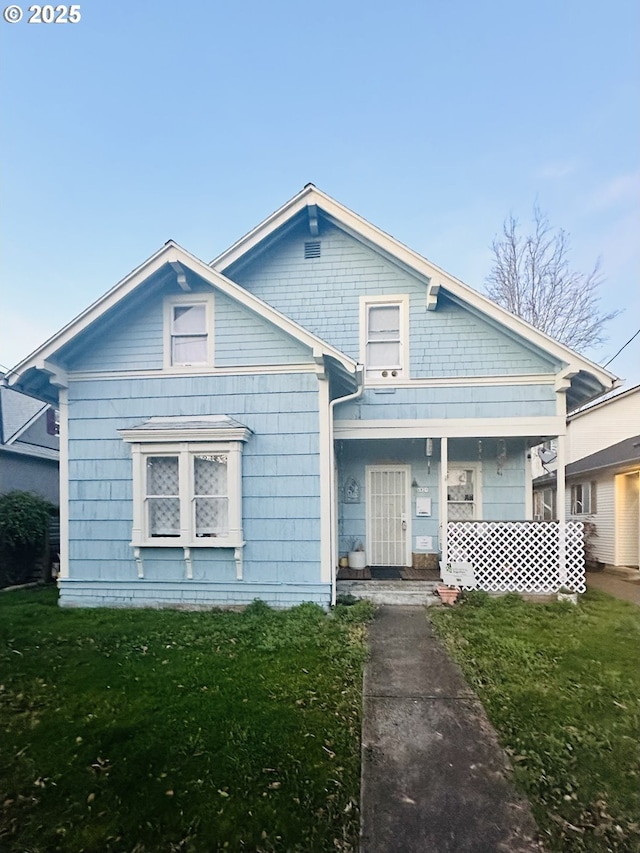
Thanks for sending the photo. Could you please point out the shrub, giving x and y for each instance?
(24, 525)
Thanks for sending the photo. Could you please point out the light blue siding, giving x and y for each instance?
(322, 294)
(244, 338)
(281, 486)
(497, 401)
(190, 595)
(136, 340)
(503, 489)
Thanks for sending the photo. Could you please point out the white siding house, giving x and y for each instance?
(602, 477)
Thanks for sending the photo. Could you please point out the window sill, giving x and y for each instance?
(200, 542)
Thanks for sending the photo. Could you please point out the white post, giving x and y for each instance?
(442, 503)
(561, 507)
(63, 407)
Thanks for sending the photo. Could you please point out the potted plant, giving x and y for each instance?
(448, 594)
(564, 593)
(357, 558)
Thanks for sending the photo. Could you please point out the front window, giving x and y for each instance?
(162, 496)
(211, 499)
(187, 481)
(191, 496)
(462, 494)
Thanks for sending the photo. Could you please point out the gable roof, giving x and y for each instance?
(623, 456)
(172, 260)
(610, 398)
(586, 379)
(17, 413)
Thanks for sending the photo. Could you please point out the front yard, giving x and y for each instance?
(561, 684)
(157, 731)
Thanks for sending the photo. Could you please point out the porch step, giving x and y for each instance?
(418, 593)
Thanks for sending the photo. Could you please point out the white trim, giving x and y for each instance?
(206, 299)
(237, 370)
(406, 470)
(472, 381)
(443, 503)
(170, 253)
(324, 439)
(397, 372)
(63, 407)
(528, 483)
(348, 220)
(451, 427)
(143, 446)
(561, 509)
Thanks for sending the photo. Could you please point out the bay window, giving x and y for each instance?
(187, 481)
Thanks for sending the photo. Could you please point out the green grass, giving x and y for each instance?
(561, 684)
(143, 731)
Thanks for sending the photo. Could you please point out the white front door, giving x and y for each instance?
(388, 515)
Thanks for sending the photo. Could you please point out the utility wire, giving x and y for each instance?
(621, 348)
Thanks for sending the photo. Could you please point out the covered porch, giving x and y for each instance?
(453, 509)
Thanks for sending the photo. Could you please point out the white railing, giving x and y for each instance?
(519, 556)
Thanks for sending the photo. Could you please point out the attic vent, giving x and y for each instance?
(312, 249)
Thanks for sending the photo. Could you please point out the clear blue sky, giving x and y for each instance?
(194, 120)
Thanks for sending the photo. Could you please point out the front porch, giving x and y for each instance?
(390, 585)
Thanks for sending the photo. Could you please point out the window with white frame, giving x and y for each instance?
(583, 498)
(188, 330)
(544, 504)
(187, 483)
(383, 336)
(463, 493)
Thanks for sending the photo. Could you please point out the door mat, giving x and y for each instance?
(354, 574)
(409, 573)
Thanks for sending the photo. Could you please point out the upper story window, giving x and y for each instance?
(189, 330)
(384, 324)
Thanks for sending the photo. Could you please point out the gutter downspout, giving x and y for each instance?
(333, 520)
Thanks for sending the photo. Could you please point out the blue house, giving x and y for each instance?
(228, 429)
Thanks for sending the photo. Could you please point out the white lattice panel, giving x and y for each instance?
(518, 556)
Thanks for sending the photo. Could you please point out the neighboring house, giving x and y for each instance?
(228, 428)
(602, 477)
(29, 445)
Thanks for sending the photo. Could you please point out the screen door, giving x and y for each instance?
(388, 503)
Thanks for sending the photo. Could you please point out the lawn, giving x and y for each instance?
(561, 684)
(139, 731)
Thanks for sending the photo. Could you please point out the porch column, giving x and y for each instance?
(561, 506)
(63, 407)
(443, 508)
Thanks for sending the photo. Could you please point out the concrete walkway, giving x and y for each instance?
(434, 779)
(628, 589)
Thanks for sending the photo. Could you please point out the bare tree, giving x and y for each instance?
(531, 277)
